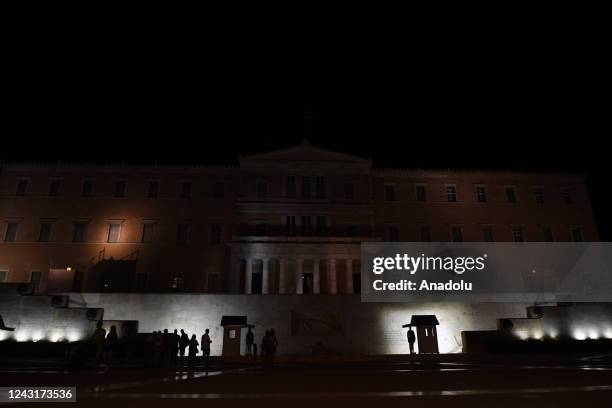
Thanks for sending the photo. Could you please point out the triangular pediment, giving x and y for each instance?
(304, 152)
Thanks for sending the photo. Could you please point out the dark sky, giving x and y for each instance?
(533, 108)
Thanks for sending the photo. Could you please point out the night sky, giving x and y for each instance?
(539, 112)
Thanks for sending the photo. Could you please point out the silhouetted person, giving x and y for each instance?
(183, 343)
(110, 346)
(249, 342)
(411, 339)
(267, 349)
(193, 351)
(262, 349)
(165, 352)
(274, 341)
(174, 347)
(206, 347)
(158, 345)
(99, 339)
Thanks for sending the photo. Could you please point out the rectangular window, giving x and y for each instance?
(321, 189)
(182, 233)
(456, 234)
(87, 190)
(147, 233)
(390, 193)
(177, 281)
(349, 191)
(577, 234)
(114, 231)
(421, 193)
(120, 186)
(11, 232)
(451, 194)
(215, 234)
(290, 225)
(425, 233)
(518, 234)
(291, 187)
(262, 189)
(305, 187)
(547, 234)
(566, 196)
(487, 234)
(219, 191)
(80, 230)
(22, 187)
(186, 189)
(45, 232)
(213, 283)
(538, 194)
(3, 276)
(54, 188)
(510, 195)
(153, 189)
(321, 225)
(306, 226)
(481, 194)
(393, 233)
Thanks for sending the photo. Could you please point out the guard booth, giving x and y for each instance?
(232, 326)
(426, 333)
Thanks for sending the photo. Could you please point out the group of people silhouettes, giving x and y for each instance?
(269, 345)
(105, 345)
(167, 347)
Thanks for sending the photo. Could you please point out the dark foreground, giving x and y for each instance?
(453, 381)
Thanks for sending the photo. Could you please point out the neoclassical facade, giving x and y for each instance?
(289, 221)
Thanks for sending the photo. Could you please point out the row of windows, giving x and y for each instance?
(120, 189)
(456, 234)
(390, 194)
(114, 232)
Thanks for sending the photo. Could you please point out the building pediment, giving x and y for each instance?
(302, 153)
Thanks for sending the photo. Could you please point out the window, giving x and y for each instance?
(321, 190)
(120, 186)
(80, 229)
(518, 234)
(54, 188)
(321, 225)
(290, 225)
(566, 196)
(114, 231)
(547, 234)
(510, 195)
(45, 232)
(481, 194)
(538, 194)
(3, 276)
(487, 234)
(349, 191)
(153, 190)
(147, 233)
(185, 190)
(182, 233)
(291, 188)
(577, 234)
(451, 194)
(87, 188)
(421, 193)
(306, 227)
(456, 234)
(390, 192)
(306, 187)
(262, 189)
(177, 281)
(219, 190)
(215, 234)
(393, 234)
(22, 187)
(213, 282)
(11, 232)
(425, 233)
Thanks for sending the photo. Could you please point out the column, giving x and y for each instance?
(333, 287)
(316, 278)
(299, 279)
(349, 276)
(249, 276)
(281, 276)
(265, 276)
(235, 276)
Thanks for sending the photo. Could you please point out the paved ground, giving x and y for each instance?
(505, 381)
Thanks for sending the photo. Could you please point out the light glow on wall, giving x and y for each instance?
(608, 334)
(56, 336)
(22, 335)
(37, 336)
